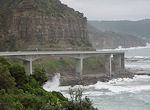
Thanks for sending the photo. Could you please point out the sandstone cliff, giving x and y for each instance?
(42, 25)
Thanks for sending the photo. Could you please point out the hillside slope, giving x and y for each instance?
(109, 39)
(139, 28)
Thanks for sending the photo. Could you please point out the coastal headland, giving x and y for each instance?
(52, 26)
(40, 38)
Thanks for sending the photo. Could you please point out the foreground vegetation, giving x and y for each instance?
(20, 91)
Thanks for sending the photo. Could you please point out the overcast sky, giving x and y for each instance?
(111, 9)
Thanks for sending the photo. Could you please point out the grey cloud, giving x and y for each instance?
(111, 9)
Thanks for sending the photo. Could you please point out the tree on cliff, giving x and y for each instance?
(18, 72)
(6, 80)
(4, 61)
(40, 75)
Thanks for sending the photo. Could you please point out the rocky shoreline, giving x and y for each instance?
(89, 79)
(140, 71)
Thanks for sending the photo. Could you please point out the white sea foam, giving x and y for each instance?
(135, 66)
(142, 77)
(131, 48)
(138, 47)
(93, 93)
(53, 85)
(123, 85)
(121, 88)
(138, 57)
(115, 86)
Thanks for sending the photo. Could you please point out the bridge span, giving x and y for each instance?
(29, 56)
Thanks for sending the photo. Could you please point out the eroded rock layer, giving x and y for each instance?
(45, 25)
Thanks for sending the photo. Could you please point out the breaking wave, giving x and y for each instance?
(53, 85)
(115, 86)
(131, 48)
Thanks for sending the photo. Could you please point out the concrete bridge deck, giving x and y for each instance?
(16, 53)
(29, 56)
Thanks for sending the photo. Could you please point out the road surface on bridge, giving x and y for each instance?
(16, 53)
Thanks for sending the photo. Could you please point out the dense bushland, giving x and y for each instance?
(20, 91)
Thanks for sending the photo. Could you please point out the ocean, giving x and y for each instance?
(139, 58)
(117, 94)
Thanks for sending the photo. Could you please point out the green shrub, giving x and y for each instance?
(77, 102)
(40, 75)
(95, 62)
(6, 80)
(29, 95)
(18, 72)
(4, 61)
(9, 102)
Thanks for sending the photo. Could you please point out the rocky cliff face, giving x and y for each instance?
(44, 24)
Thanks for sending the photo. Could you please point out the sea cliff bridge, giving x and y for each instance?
(29, 56)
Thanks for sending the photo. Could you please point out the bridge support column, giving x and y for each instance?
(118, 62)
(28, 66)
(79, 67)
(122, 61)
(108, 64)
